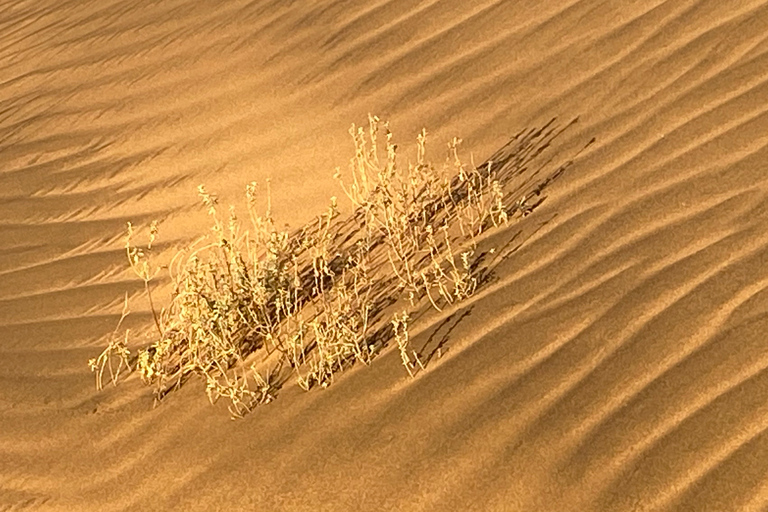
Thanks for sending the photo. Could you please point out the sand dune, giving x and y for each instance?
(617, 360)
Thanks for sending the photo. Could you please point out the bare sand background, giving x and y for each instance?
(618, 362)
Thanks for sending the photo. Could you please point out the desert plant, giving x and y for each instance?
(313, 302)
(115, 358)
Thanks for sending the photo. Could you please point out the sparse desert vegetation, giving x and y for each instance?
(254, 305)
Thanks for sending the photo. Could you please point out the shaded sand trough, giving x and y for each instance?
(618, 362)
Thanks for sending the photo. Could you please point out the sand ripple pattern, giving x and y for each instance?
(618, 361)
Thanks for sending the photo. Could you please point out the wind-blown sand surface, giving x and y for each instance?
(618, 361)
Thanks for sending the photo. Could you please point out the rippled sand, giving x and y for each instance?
(617, 362)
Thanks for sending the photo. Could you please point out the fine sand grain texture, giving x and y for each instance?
(617, 361)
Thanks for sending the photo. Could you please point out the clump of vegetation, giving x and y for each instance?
(254, 307)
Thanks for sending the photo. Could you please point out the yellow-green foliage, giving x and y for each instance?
(315, 301)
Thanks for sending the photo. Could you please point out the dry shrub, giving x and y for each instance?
(315, 301)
